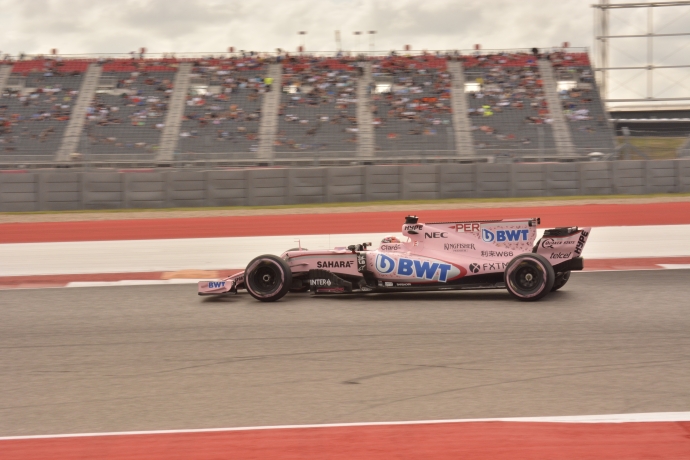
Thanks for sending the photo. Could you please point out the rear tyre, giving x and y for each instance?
(529, 277)
(561, 279)
(268, 278)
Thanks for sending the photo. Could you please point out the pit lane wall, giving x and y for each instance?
(58, 190)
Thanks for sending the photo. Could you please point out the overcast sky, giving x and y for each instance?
(93, 26)
(162, 26)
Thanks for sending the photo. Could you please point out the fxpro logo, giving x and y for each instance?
(421, 269)
(503, 236)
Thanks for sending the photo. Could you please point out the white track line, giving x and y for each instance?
(675, 266)
(97, 257)
(79, 284)
(651, 417)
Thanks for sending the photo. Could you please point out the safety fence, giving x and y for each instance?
(209, 160)
(56, 191)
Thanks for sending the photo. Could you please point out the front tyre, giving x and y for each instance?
(268, 278)
(529, 277)
(561, 279)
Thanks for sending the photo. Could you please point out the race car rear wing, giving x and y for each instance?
(563, 246)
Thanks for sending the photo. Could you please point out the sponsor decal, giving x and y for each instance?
(581, 243)
(550, 243)
(413, 227)
(422, 269)
(494, 266)
(361, 262)
(466, 228)
(458, 247)
(216, 284)
(435, 235)
(403, 284)
(560, 255)
(319, 282)
(503, 236)
(390, 247)
(497, 253)
(334, 264)
(487, 267)
(388, 284)
(384, 264)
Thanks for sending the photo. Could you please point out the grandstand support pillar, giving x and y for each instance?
(464, 146)
(77, 118)
(173, 119)
(5, 71)
(268, 129)
(561, 130)
(365, 126)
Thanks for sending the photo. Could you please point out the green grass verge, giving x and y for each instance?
(360, 204)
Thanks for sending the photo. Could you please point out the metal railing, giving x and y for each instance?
(285, 159)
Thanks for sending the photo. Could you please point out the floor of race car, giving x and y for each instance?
(157, 358)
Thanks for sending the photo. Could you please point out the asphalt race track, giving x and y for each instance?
(159, 357)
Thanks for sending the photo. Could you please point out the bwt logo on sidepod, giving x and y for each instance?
(503, 236)
(421, 269)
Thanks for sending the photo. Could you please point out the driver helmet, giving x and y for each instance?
(390, 239)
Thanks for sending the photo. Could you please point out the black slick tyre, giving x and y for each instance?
(529, 277)
(268, 278)
(561, 279)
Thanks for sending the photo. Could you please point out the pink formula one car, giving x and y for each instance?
(439, 256)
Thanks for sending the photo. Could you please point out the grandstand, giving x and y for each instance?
(589, 125)
(364, 108)
(507, 105)
(317, 112)
(127, 113)
(223, 108)
(411, 105)
(36, 103)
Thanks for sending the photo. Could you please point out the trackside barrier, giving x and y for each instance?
(64, 191)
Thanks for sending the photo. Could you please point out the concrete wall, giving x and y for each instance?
(64, 190)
